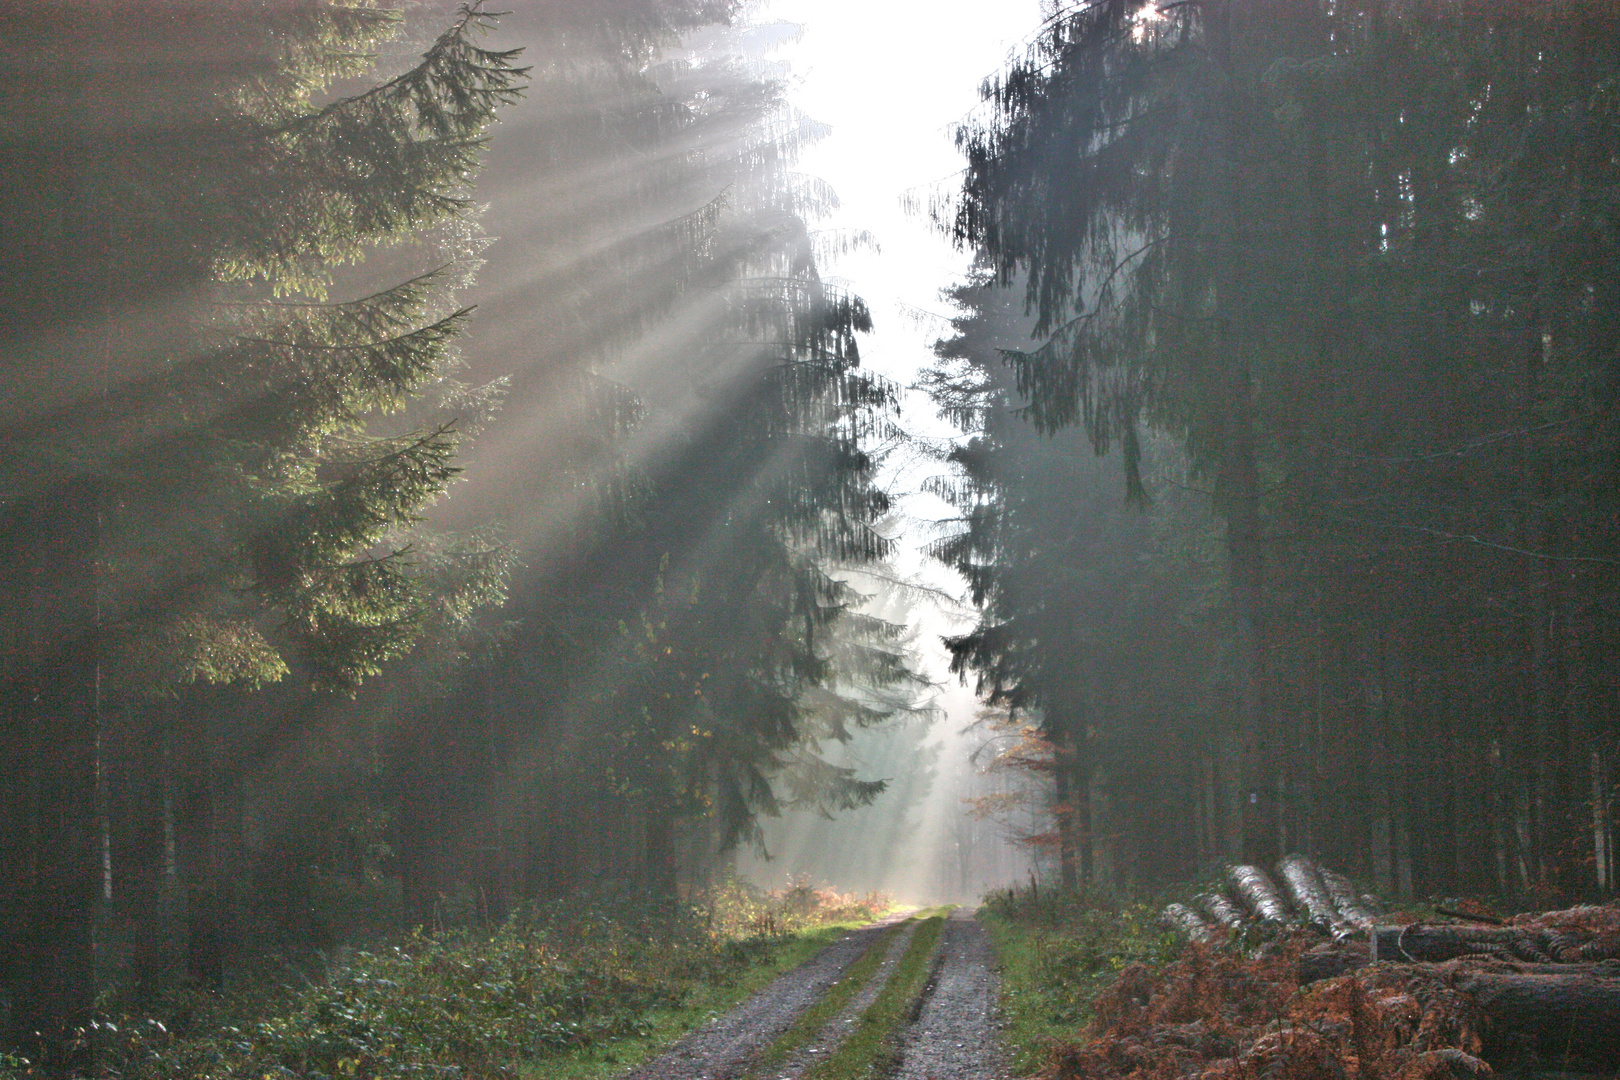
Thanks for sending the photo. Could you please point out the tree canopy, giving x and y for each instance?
(1357, 259)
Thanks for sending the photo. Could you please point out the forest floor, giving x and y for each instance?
(911, 997)
(572, 990)
(1095, 988)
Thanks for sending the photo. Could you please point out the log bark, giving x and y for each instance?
(1258, 892)
(1183, 918)
(1603, 969)
(1221, 909)
(1564, 1020)
(1424, 943)
(1310, 895)
(1354, 909)
(1331, 961)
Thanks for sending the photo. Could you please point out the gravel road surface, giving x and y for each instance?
(952, 1038)
(954, 1035)
(827, 1040)
(723, 1048)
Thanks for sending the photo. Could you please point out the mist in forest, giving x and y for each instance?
(439, 481)
(929, 838)
(457, 462)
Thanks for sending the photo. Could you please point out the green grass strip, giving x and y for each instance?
(601, 1061)
(833, 1002)
(1036, 1013)
(873, 1048)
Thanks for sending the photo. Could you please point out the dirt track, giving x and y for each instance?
(952, 1037)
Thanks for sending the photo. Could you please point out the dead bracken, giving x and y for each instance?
(1404, 997)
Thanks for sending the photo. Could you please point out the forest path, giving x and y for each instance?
(839, 1026)
(952, 1036)
(724, 1048)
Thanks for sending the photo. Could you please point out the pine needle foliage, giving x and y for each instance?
(1356, 258)
(239, 446)
(692, 650)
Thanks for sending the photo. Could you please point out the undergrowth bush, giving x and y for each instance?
(1076, 941)
(458, 1005)
(740, 909)
(465, 1004)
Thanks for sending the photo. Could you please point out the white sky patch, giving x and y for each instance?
(892, 78)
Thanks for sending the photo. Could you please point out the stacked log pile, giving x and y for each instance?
(1297, 977)
(1308, 897)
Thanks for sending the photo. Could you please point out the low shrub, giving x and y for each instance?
(1059, 950)
(1075, 942)
(461, 1005)
(740, 909)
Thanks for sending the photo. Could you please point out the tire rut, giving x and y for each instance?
(954, 1034)
(828, 1038)
(726, 1047)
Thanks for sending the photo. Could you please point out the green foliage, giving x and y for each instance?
(1059, 950)
(376, 166)
(240, 453)
(1100, 624)
(692, 644)
(226, 470)
(554, 980)
(1358, 259)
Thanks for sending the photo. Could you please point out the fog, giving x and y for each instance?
(609, 453)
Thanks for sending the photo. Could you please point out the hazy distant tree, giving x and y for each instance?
(1100, 623)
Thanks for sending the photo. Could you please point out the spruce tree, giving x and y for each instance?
(1315, 243)
(210, 454)
(706, 456)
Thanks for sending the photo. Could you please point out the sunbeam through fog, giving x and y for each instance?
(516, 525)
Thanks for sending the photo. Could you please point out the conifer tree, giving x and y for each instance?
(1095, 625)
(210, 455)
(706, 452)
(1309, 240)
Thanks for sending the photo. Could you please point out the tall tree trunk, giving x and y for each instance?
(64, 878)
(1496, 785)
(1066, 797)
(1381, 821)
(1602, 826)
(1209, 847)
(1101, 831)
(1233, 796)
(419, 829)
(660, 869)
(210, 825)
(1398, 708)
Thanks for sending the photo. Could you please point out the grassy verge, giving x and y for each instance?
(810, 1022)
(1057, 952)
(567, 990)
(1035, 1015)
(662, 1027)
(873, 1048)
